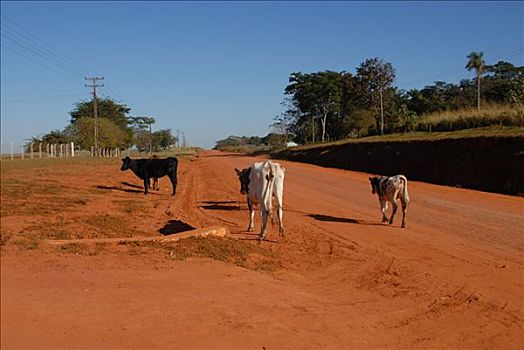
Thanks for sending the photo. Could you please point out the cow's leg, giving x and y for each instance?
(155, 184)
(146, 184)
(395, 206)
(384, 208)
(251, 226)
(173, 182)
(404, 211)
(280, 220)
(280, 212)
(263, 228)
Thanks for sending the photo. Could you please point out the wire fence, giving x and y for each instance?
(56, 150)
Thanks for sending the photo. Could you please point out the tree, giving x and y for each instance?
(109, 134)
(52, 137)
(376, 75)
(359, 121)
(140, 124)
(107, 109)
(317, 95)
(408, 119)
(476, 62)
(503, 83)
(163, 140)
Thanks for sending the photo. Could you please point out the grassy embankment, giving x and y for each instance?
(491, 121)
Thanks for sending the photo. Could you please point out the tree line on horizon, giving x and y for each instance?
(329, 105)
(116, 129)
(318, 107)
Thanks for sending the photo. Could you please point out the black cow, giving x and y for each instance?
(152, 168)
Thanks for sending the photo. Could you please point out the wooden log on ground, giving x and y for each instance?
(217, 231)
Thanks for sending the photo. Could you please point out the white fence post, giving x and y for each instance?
(12, 150)
(32, 155)
(72, 149)
(22, 151)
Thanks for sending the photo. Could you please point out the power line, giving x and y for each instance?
(35, 99)
(34, 48)
(40, 48)
(36, 41)
(39, 54)
(35, 61)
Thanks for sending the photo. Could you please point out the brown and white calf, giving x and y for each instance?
(390, 189)
(260, 183)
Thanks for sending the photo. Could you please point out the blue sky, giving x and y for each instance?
(214, 69)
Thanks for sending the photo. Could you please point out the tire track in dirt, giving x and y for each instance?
(410, 267)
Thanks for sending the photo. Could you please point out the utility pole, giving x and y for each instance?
(178, 138)
(183, 139)
(94, 85)
(381, 113)
(150, 140)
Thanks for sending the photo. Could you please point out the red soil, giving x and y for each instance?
(452, 279)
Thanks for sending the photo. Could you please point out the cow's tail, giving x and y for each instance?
(268, 191)
(404, 188)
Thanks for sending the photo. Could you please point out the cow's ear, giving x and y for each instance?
(239, 172)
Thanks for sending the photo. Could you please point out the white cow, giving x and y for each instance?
(389, 189)
(260, 182)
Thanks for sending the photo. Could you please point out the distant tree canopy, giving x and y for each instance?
(107, 108)
(116, 128)
(109, 134)
(332, 105)
(240, 141)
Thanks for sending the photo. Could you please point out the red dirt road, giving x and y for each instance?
(454, 278)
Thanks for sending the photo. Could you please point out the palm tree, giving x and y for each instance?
(476, 62)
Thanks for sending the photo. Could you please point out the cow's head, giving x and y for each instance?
(126, 163)
(375, 181)
(243, 177)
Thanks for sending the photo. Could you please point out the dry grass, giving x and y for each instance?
(5, 236)
(107, 226)
(492, 111)
(488, 116)
(131, 206)
(424, 136)
(244, 254)
(76, 198)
